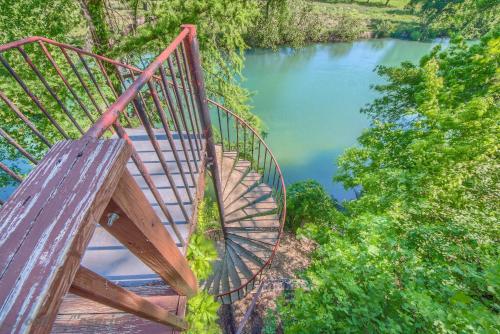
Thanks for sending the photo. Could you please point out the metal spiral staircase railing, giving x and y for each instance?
(50, 91)
(254, 198)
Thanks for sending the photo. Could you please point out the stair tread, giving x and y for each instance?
(254, 195)
(263, 207)
(250, 180)
(81, 315)
(238, 172)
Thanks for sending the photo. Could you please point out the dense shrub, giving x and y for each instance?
(308, 202)
(284, 22)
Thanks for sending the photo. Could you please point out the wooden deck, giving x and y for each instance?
(106, 256)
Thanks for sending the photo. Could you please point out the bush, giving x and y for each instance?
(308, 202)
(202, 314)
(345, 25)
(201, 253)
(286, 22)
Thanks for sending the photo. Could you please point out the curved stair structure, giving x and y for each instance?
(253, 201)
(132, 244)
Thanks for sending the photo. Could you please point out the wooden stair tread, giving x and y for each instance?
(105, 255)
(80, 315)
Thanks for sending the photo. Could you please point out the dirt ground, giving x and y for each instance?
(292, 256)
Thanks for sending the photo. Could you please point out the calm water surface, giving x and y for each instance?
(310, 99)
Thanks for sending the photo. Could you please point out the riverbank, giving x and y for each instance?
(352, 20)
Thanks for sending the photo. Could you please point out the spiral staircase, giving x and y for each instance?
(176, 135)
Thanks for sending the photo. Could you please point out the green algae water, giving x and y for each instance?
(310, 98)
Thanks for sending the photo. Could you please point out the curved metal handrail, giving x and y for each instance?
(278, 187)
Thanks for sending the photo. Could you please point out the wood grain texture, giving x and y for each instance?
(46, 226)
(142, 232)
(89, 285)
(84, 316)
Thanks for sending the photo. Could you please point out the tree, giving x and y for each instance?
(470, 18)
(418, 251)
(221, 25)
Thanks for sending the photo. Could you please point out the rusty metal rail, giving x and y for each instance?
(235, 134)
(71, 93)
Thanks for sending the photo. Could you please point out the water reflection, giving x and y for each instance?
(310, 100)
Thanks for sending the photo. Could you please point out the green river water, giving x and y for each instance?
(309, 100)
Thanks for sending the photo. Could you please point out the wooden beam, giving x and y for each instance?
(90, 285)
(46, 226)
(130, 218)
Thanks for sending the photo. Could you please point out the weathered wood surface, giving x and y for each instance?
(80, 315)
(138, 228)
(88, 284)
(46, 226)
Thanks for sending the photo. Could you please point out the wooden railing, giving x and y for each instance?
(47, 225)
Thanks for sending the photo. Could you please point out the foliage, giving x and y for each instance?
(270, 322)
(200, 254)
(307, 201)
(470, 18)
(202, 308)
(23, 18)
(221, 25)
(208, 215)
(418, 252)
(346, 25)
(202, 314)
(284, 22)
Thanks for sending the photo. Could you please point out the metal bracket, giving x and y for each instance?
(112, 217)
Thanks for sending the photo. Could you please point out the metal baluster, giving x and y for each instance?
(93, 79)
(33, 97)
(66, 82)
(26, 121)
(190, 112)
(181, 112)
(48, 88)
(14, 143)
(145, 174)
(11, 173)
(82, 82)
(156, 146)
(168, 97)
(171, 140)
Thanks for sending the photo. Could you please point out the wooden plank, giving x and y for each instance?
(140, 229)
(47, 225)
(89, 285)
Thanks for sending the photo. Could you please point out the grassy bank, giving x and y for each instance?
(373, 18)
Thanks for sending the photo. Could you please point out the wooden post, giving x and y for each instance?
(193, 55)
(90, 285)
(130, 218)
(46, 226)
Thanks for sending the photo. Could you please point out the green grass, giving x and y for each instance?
(397, 18)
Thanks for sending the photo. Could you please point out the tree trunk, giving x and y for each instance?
(100, 32)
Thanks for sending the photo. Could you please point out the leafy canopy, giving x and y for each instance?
(418, 252)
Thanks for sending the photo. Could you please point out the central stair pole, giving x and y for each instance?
(193, 55)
